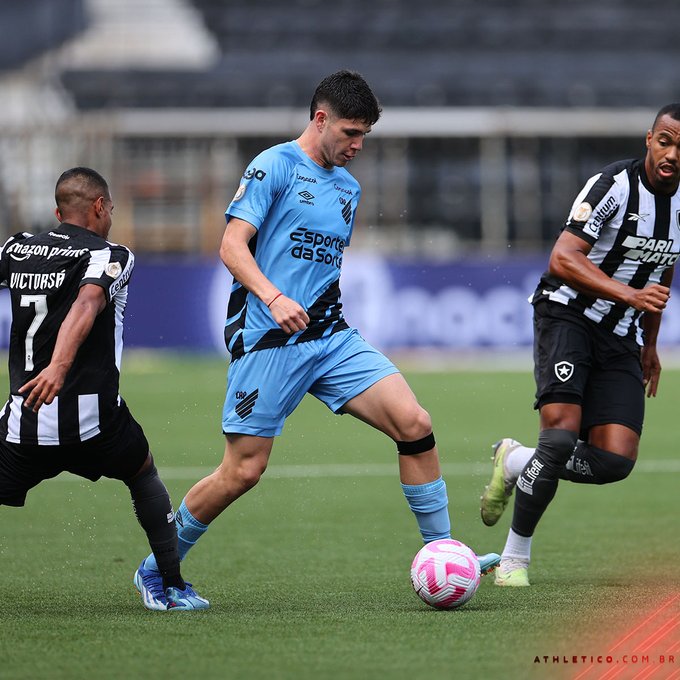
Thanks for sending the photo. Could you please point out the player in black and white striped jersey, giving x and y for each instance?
(68, 291)
(597, 314)
(44, 274)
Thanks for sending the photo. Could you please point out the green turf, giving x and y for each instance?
(308, 573)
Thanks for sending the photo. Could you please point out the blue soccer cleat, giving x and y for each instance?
(149, 583)
(184, 600)
(488, 562)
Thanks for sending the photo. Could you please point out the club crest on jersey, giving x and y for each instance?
(564, 370)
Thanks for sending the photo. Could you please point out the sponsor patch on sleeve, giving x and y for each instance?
(113, 269)
(239, 193)
(583, 212)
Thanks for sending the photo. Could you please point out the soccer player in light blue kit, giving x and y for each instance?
(287, 227)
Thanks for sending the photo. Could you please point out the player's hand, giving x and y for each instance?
(652, 298)
(288, 314)
(651, 370)
(43, 388)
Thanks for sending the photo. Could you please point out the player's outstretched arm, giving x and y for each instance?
(569, 262)
(74, 329)
(236, 255)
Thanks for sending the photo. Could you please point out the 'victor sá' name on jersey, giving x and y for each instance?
(33, 281)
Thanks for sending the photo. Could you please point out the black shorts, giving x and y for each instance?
(118, 454)
(578, 362)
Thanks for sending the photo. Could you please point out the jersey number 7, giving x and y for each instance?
(40, 302)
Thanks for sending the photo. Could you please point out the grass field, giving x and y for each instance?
(308, 574)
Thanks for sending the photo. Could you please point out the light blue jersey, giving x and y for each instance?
(304, 215)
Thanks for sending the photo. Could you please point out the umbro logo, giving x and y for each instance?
(245, 407)
(307, 195)
(178, 519)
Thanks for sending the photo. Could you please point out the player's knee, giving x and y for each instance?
(619, 471)
(416, 426)
(146, 482)
(612, 466)
(555, 446)
(248, 472)
(412, 448)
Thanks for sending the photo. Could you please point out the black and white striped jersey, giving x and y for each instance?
(44, 274)
(635, 237)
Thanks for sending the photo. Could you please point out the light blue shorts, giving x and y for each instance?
(265, 387)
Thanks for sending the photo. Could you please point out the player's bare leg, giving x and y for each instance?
(245, 460)
(390, 406)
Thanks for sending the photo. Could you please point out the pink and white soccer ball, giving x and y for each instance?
(445, 573)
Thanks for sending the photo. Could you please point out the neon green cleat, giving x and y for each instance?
(513, 573)
(497, 493)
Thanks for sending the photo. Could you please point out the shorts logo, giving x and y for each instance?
(245, 407)
(564, 370)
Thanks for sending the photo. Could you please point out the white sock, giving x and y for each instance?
(517, 547)
(516, 461)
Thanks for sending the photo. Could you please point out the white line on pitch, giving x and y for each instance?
(371, 470)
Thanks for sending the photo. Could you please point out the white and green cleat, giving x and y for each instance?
(497, 493)
(513, 573)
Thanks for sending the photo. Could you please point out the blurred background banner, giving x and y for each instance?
(400, 305)
(495, 114)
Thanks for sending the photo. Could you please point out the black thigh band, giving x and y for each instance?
(419, 446)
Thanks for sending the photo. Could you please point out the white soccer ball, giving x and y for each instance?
(445, 574)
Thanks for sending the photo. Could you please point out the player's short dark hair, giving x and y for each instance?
(78, 187)
(348, 95)
(672, 110)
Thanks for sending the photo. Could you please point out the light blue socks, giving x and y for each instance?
(429, 503)
(189, 530)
